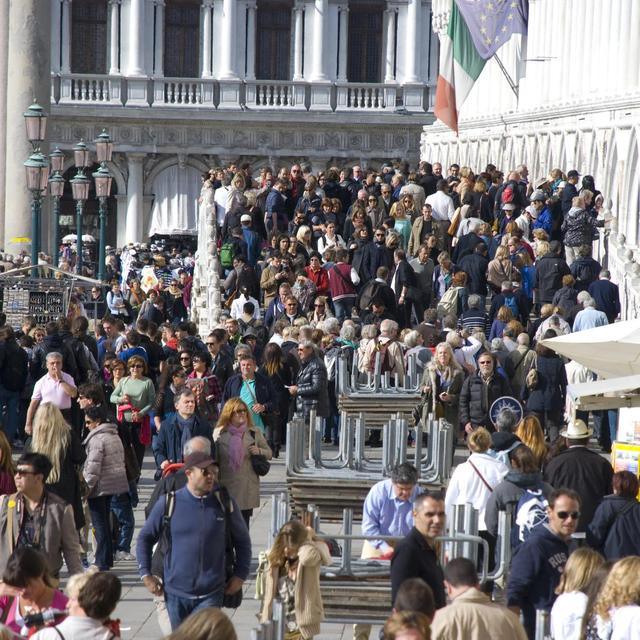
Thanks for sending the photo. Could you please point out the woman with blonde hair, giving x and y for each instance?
(530, 432)
(618, 605)
(502, 319)
(237, 440)
(206, 624)
(441, 384)
(407, 625)
(501, 269)
(54, 438)
(293, 575)
(7, 467)
(569, 608)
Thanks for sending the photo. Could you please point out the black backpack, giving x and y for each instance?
(15, 368)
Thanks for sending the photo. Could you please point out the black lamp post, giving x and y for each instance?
(36, 167)
(103, 179)
(80, 188)
(56, 189)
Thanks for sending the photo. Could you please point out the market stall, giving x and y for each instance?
(45, 297)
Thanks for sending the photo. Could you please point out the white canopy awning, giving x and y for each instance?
(610, 351)
(606, 394)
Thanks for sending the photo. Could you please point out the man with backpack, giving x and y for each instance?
(208, 545)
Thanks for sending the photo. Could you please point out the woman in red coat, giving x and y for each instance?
(317, 274)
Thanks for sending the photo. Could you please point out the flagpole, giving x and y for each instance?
(512, 84)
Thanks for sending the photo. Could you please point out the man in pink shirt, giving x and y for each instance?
(56, 387)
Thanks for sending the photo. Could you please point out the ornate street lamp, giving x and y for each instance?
(104, 147)
(80, 187)
(37, 172)
(56, 189)
(103, 179)
(35, 120)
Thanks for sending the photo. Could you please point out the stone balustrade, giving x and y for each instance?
(262, 95)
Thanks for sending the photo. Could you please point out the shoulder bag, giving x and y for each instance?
(484, 481)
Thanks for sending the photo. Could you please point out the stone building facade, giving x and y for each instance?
(577, 107)
(183, 85)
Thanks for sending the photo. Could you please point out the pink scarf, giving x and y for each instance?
(236, 446)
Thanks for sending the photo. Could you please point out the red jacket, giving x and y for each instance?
(320, 278)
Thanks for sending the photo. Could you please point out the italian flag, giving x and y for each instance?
(460, 67)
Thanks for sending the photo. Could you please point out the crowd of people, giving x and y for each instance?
(463, 276)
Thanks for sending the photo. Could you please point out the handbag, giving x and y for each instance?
(455, 223)
(259, 463)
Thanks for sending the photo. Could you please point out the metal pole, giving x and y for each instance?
(102, 212)
(56, 231)
(79, 212)
(35, 214)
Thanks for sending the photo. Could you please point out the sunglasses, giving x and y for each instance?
(211, 344)
(135, 366)
(25, 472)
(185, 358)
(564, 515)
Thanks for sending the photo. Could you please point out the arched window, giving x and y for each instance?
(182, 39)
(89, 36)
(365, 41)
(273, 41)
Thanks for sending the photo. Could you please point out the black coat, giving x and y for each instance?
(585, 270)
(475, 266)
(313, 392)
(374, 255)
(568, 194)
(466, 245)
(584, 471)
(222, 367)
(414, 558)
(565, 298)
(614, 528)
(264, 391)
(549, 272)
(607, 297)
(405, 276)
(476, 398)
(550, 393)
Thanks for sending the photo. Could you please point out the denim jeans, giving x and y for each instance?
(9, 406)
(180, 608)
(121, 507)
(100, 509)
(343, 308)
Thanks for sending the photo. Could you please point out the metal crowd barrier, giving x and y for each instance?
(275, 628)
(376, 382)
(305, 456)
(462, 539)
(543, 625)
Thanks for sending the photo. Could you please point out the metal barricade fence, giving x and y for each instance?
(543, 625)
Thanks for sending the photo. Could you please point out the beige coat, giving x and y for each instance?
(396, 358)
(243, 484)
(308, 600)
(473, 616)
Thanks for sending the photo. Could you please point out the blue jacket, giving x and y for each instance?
(253, 245)
(194, 566)
(614, 528)
(265, 393)
(544, 221)
(535, 573)
(168, 444)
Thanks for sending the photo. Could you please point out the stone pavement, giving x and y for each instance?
(136, 610)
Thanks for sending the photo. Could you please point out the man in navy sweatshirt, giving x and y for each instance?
(539, 561)
(194, 564)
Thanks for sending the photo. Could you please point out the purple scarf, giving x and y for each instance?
(236, 446)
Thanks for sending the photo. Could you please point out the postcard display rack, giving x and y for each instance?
(44, 305)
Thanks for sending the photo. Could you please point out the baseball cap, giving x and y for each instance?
(531, 210)
(508, 207)
(538, 195)
(573, 174)
(245, 217)
(198, 459)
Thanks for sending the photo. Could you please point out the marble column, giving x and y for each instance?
(158, 54)
(227, 41)
(319, 24)
(252, 7)
(298, 45)
(135, 66)
(414, 9)
(207, 31)
(28, 77)
(4, 54)
(65, 40)
(390, 49)
(56, 41)
(343, 43)
(114, 37)
(135, 198)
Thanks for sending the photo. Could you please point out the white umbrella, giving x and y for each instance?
(610, 351)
